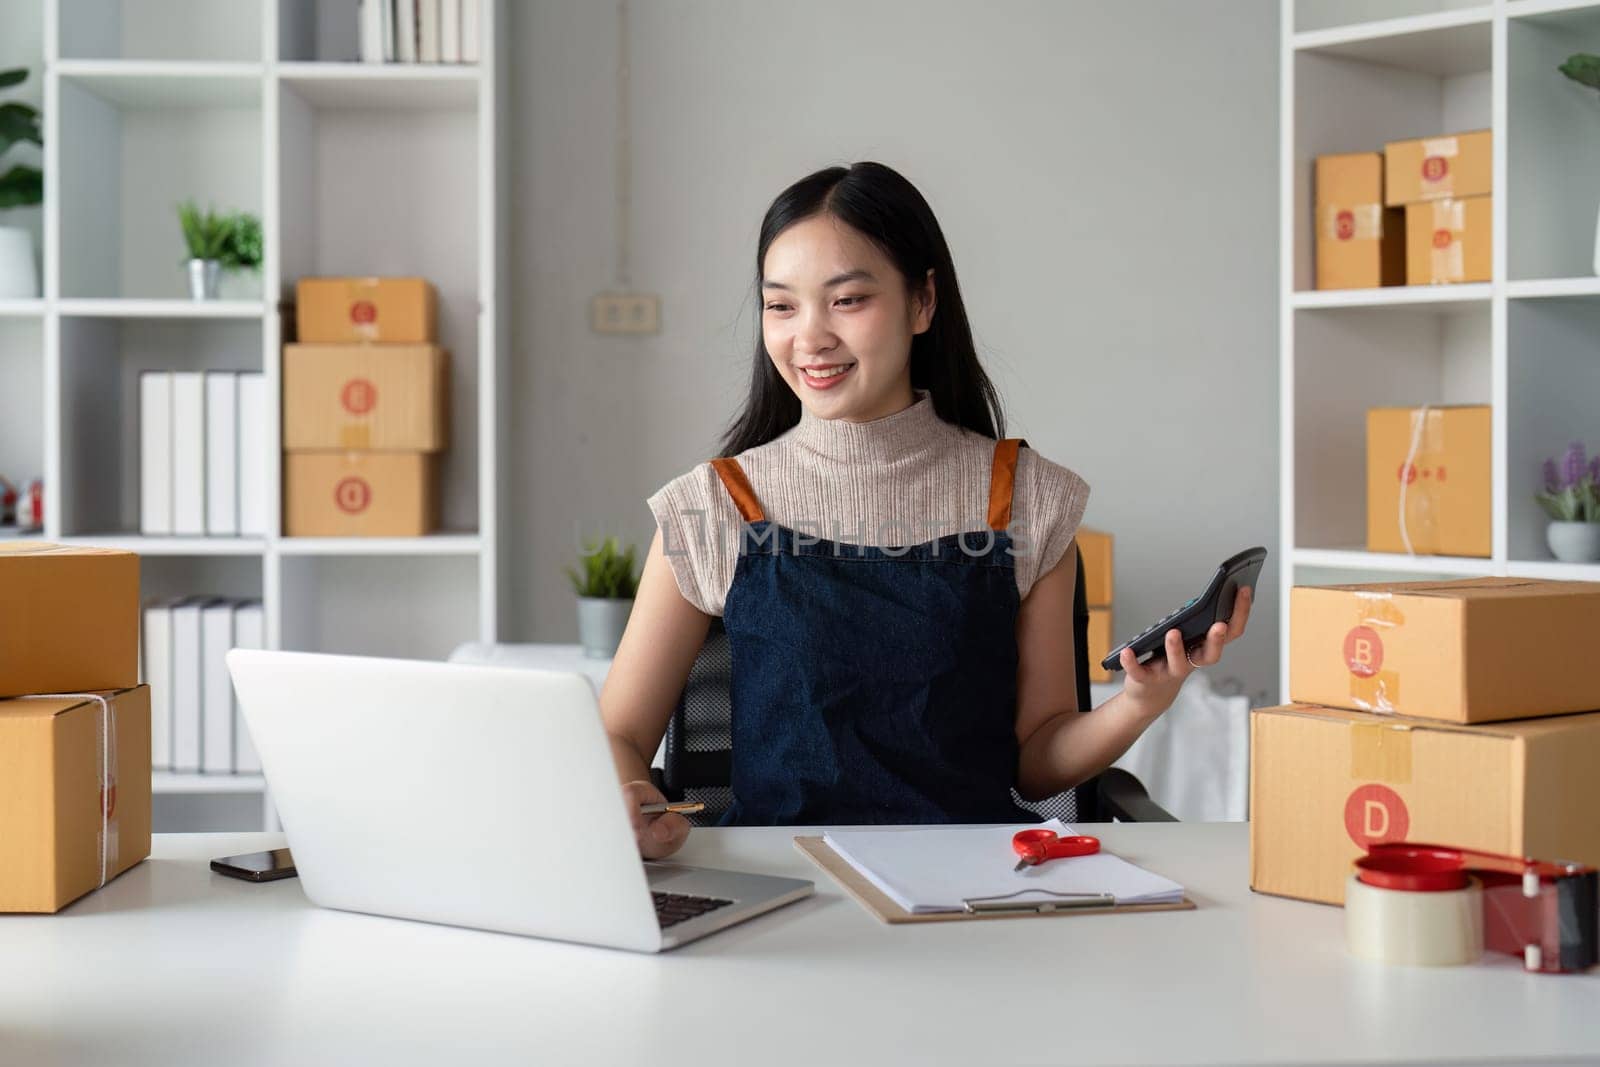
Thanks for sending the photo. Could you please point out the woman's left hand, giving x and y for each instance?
(1153, 686)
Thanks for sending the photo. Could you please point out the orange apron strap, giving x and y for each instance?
(738, 486)
(1002, 481)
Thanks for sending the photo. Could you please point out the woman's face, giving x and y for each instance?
(837, 320)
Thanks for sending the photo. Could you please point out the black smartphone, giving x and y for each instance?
(1198, 615)
(257, 866)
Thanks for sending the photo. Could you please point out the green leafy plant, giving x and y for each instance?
(1571, 490)
(232, 239)
(607, 572)
(1582, 68)
(22, 185)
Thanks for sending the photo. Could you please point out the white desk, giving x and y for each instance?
(172, 964)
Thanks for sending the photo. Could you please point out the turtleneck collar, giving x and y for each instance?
(907, 430)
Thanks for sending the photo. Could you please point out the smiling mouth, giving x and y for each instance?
(824, 373)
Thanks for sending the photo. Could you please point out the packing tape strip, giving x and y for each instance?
(1447, 262)
(107, 840)
(1442, 929)
(1372, 688)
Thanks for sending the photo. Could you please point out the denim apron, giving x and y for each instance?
(873, 685)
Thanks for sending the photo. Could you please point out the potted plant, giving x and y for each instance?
(1571, 497)
(20, 186)
(1584, 69)
(217, 242)
(605, 597)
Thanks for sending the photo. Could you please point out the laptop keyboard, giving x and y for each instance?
(674, 908)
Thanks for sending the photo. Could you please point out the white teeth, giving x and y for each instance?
(835, 372)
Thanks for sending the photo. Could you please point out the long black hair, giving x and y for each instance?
(882, 206)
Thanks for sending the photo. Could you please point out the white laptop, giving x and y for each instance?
(474, 796)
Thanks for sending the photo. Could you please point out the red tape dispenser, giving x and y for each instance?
(1435, 905)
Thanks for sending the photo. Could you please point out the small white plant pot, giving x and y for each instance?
(19, 276)
(1574, 542)
(601, 621)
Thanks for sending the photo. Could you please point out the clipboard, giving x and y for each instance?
(885, 910)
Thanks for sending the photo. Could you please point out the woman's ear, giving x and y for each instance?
(924, 303)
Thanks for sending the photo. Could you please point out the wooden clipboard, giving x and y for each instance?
(881, 907)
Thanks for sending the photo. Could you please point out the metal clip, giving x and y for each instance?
(1064, 901)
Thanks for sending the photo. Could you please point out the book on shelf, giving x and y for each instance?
(249, 631)
(405, 31)
(469, 31)
(187, 685)
(450, 31)
(155, 670)
(222, 453)
(155, 452)
(427, 31)
(188, 453)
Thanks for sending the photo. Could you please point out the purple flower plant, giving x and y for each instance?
(1572, 487)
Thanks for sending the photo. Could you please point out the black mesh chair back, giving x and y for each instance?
(698, 761)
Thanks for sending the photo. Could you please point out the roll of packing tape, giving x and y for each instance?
(1430, 929)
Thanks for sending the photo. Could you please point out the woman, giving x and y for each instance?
(872, 682)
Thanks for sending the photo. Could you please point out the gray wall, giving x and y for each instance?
(1106, 177)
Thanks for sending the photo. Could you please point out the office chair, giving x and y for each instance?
(699, 746)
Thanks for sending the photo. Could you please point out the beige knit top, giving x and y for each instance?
(903, 479)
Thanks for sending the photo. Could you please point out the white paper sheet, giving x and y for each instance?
(937, 868)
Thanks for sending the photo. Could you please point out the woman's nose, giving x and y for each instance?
(814, 335)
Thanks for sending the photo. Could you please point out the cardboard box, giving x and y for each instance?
(1359, 242)
(69, 618)
(1435, 462)
(1449, 241)
(1099, 643)
(1432, 168)
(1470, 651)
(63, 794)
(359, 494)
(345, 310)
(1325, 783)
(1095, 547)
(385, 397)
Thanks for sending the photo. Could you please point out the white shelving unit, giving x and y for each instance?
(353, 168)
(1357, 73)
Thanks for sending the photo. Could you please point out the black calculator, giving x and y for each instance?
(1198, 615)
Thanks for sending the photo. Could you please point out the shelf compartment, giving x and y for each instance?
(1554, 148)
(351, 182)
(124, 166)
(101, 360)
(1348, 360)
(1553, 380)
(219, 30)
(402, 606)
(1356, 96)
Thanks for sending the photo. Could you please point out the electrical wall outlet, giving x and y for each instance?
(625, 313)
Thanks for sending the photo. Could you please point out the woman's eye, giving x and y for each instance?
(777, 307)
(851, 300)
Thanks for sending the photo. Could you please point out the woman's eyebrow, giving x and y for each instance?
(837, 279)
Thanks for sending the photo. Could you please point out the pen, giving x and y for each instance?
(687, 807)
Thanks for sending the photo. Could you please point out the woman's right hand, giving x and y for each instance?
(658, 836)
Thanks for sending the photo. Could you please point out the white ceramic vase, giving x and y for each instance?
(19, 278)
(1574, 542)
